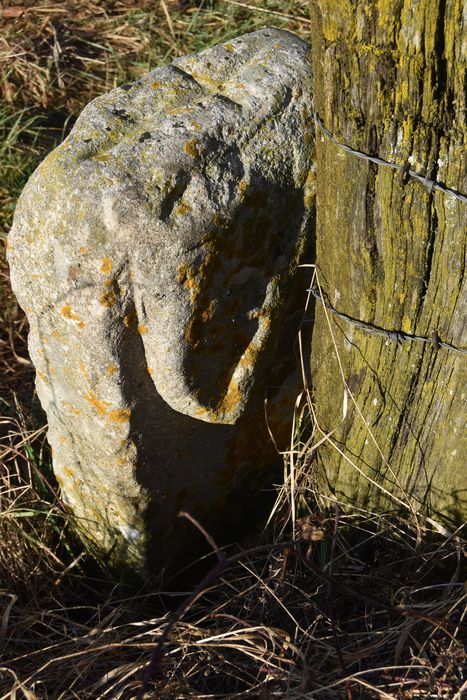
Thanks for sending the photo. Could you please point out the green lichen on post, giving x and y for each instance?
(389, 81)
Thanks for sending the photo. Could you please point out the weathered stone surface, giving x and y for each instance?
(154, 253)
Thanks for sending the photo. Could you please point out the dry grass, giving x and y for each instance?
(59, 55)
(344, 603)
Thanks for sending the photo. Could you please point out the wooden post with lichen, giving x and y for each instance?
(389, 81)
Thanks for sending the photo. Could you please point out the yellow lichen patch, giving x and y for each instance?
(157, 84)
(44, 377)
(191, 148)
(101, 157)
(207, 79)
(100, 406)
(75, 411)
(82, 249)
(59, 480)
(120, 415)
(243, 185)
(106, 266)
(142, 329)
(229, 47)
(196, 125)
(406, 325)
(108, 296)
(67, 313)
(69, 471)
(150, 370)
(183, 209)
(111, 369)
(62, 439)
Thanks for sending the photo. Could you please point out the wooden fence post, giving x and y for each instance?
(389, 82)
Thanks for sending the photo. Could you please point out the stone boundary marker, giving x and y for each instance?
(155, 254)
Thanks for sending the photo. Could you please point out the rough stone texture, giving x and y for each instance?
(154, 252)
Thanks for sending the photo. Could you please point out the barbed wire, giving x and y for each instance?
(396, 335)
(403, 169)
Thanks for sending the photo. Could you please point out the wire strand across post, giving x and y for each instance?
(423, 179)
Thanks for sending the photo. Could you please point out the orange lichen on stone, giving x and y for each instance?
(182, 273)
(230, 401)
(157, 84)
(248, 358)
(117, 415)
(106, 266)
(67, 313)
(185, 276)
(191, 283)
(208, 312)
(150, 370)
(191, 148)
(100, 406)
(82, 249)
(111, 369)
(142, 329)
(68, 471)
(120, 415)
